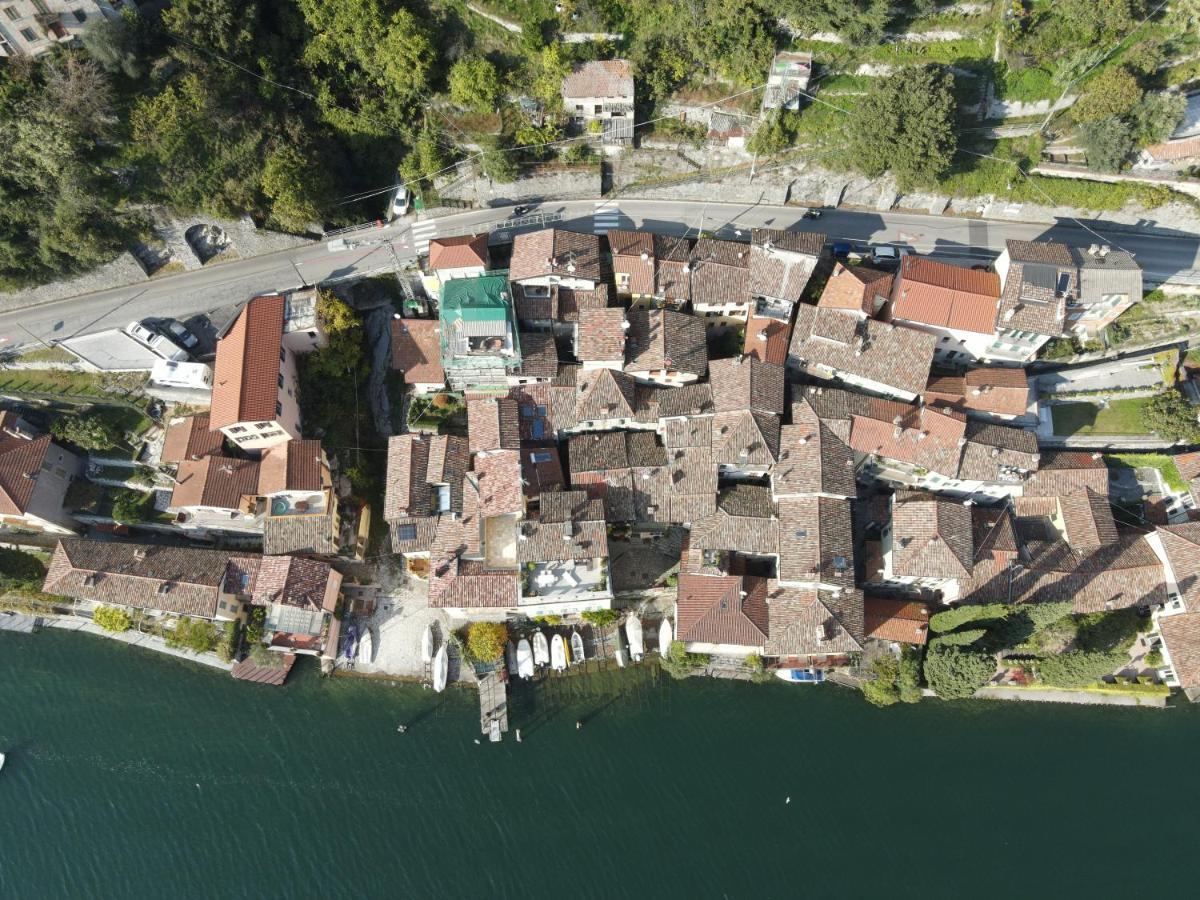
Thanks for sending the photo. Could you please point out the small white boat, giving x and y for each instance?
(541, 649)
(427, 644)
(665, 636)
(801, 676)
(633, 629)
(441, 667)
(366, 646)
(1, 760)
(578, 654)
(558, 653)
(524, 659)
(510, 658)
(620, 657)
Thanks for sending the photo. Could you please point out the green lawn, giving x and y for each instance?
(1165, 465)
(1123, 416)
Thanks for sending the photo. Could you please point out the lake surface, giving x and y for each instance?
(131, 774)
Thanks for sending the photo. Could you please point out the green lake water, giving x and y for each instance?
(130, 774)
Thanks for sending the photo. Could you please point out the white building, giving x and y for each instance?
(31, 27)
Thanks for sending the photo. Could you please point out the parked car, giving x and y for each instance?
(400, 202)
(179, 333)
(159, 343)
(887, 253)
(520, 210)
(841, 248)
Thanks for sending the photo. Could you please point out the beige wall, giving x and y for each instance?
(283, 427)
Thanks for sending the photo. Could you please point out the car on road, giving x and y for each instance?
(811, 213)
(520, 210)
(400, 201)
(179, 333)
(159, 343)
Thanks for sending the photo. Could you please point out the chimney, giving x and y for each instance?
(139, 552)
(1105, 250)
(1097, 455)
(645, 256)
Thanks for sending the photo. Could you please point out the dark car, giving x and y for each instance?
(841, 248)
(520, 210)
(812, 213)
(179, 333)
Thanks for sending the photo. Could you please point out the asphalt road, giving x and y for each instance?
(218, 290)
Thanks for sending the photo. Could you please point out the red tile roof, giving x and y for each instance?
(767, 339)
(246, 379)
(216, 481)
(711, 609)
(896, 620)
(553, 251)
(417, 350)
(601, 337)
(460, 252)
(600, 78)
(935, 293)
(856, 288)
(190, 438)
(20, 463)
(993, 389)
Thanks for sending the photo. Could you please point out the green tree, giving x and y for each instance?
(1044, 614)
(474, 83)
(956, 674)
(297, 187)
(486, 640)
(1079, 668)
(113, 44)
(87, 432)
(551, 69)
(959, 638)
(904, 125)
(601, 618)
(499, 166)
(1157, 116)
(20, 571)
(775, 134)
(882, 690)
(950, 619)
(1114, 92)
(1172, 417)
(131, 507)
(678, 663)
(197, 635)
(227, 27)
(227, 642)
(909, 680)
(1109, 144)
(112, 618)
(344, 352)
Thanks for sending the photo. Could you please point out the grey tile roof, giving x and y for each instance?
(665, 339)
(744, 382)
(812, 459)
(816, 540)
(807, 622)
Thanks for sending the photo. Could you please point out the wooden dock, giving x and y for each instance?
(19, 622)
(493, 705)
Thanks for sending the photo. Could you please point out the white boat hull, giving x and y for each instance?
(633, 630)
(665, 636)
(524, 659)
(366, 647)
(427, 645)
(578, 654)
(441, 668)
(541, 649)
(558, 653)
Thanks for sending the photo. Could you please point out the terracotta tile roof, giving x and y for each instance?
(292, 581)
(1033, 298)
(781, 262)
(767, 339)
(687, 400)
(712, 610)
(459, 252)
(493, 424)
(188, 437)
(417, 350)
(946, 296)
(918, 435)
(300, 534)
(1181, 543)
(413, 534)
(215, 481)
(572, 301)
(744, 382)
(1064, 471)
(20, 462)
(182, 580)
(893, 356)
(720, 272)
(672, 275)
(990, 389)
(1188, 464)
(896, 620)
(665, 339)
(1181, 634)
(746, 438)
(997, 453)
(812, 459)
(1049, 252)
(627, 249)
(544, 409)
(414, 464)
(537, 304)
(1115, 576)
(553, 251)
(609, 394)
(600, 78)
(1088, 520)
(806, 622)
(687, 432)
(601, 451)
(498, 474)
(246, 379)
(931, 536)
(298, 465)
(601, 335)
(571, 526)
(816, 541)
(857, 289)
(745, 520)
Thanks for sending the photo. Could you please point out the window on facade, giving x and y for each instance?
(622, 279)
(80, 16)
(29, 36)
(11, 12)
(237, 429)
(406, 532)
(41, 7)
(282, 354)
(278, 408)
(262, 426)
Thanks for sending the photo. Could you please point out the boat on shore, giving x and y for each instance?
(621, 658)
(558, 653)
(801, 676)
(366, 647)
(524, 659)
(578, 653)
(427, 644)
(633, 630)
(665, 636)
(541, 649)
(510, 658)
(441, 668)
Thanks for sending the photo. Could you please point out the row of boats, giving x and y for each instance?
(529, 654)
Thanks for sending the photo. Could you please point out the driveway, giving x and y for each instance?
(1138, 372)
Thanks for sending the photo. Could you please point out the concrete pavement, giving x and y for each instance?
(374, 250)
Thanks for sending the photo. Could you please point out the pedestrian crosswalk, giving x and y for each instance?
(422, 234)
(605, 217)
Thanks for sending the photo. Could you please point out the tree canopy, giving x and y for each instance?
(474, 83)
(956, 674)
(1114, 92)
(1172, 416)
(486, 640)
(905, 126)
(87, 432)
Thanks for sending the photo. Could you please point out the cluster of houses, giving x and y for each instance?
(240, 474)
(859, 460)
